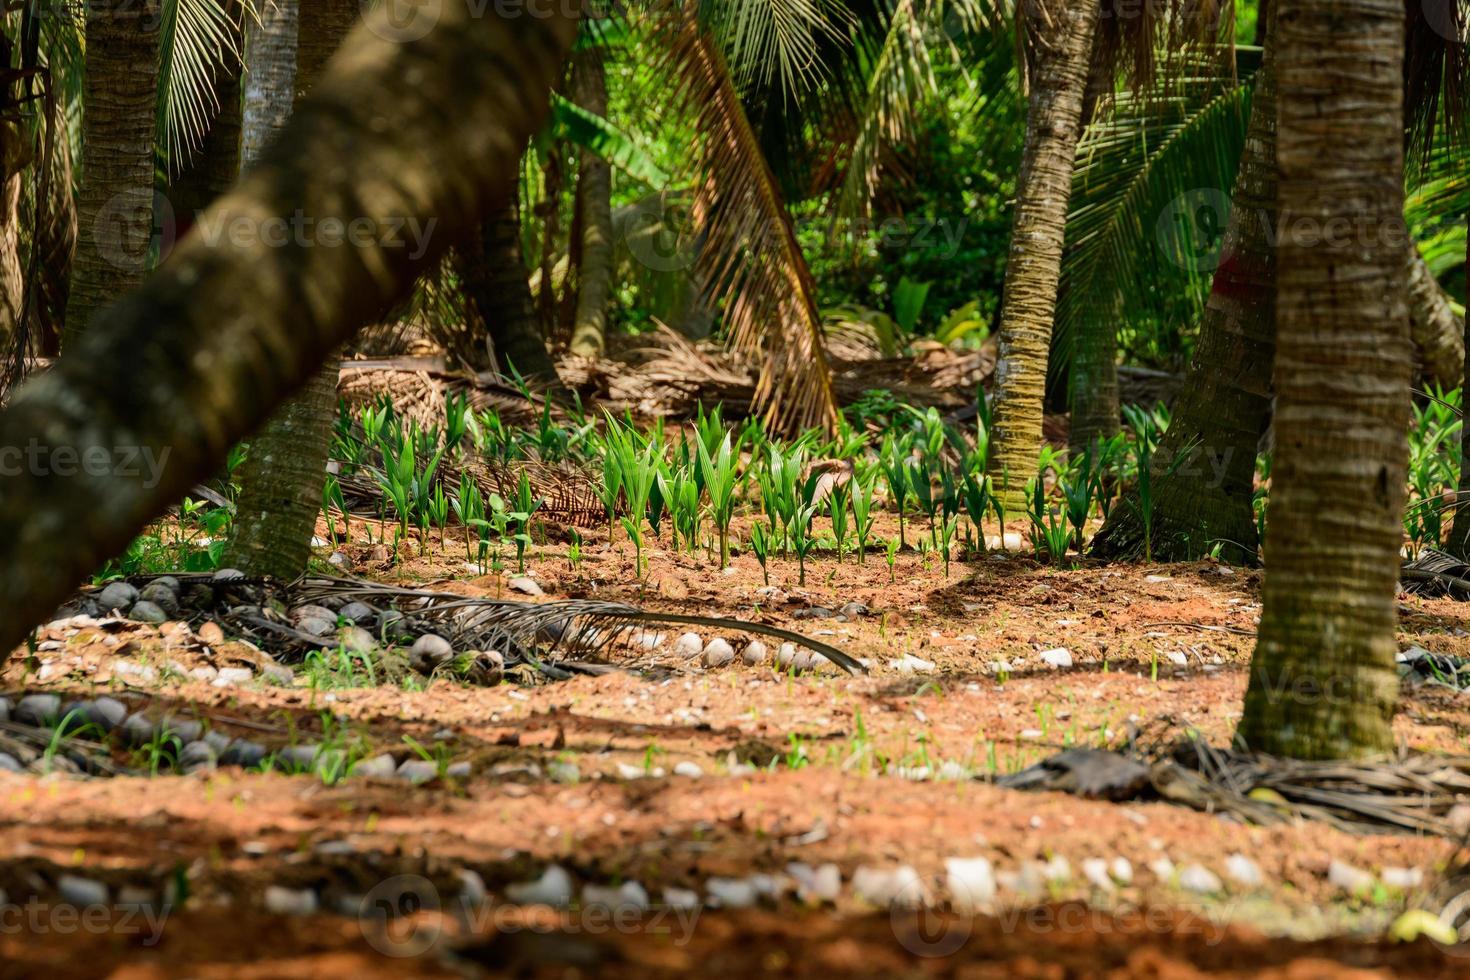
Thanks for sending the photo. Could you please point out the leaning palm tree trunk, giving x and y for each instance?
(1064, 32)
(282, 478)
(201, 354)
(115, 203)
(1206, 500)
(594, 206)
(1323, 680)
(1438, 334)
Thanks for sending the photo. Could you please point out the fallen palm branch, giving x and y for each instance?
(1412, 794)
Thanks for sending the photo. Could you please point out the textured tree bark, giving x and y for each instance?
(1205, 500)
(1053, 126)
(1323, 679)
(494, 279)
(1093, 383)
(282, 478)
(1438, 334)
(1459, 539)
(594, 204)
(115, 203)
(270, 78)
(214, 165)
(15, 157)
(189, 364)
(53, 241)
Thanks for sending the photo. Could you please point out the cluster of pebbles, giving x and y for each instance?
(48, 734)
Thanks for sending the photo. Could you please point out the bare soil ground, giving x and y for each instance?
(689, 778)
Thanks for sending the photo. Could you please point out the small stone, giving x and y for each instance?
(183, 729)
(147, 612)
(786, 656)
(1122, 871)
(1243, 871)
(81, 892)
(472, 890)
(134, 898)
(1348, 878)
(820, 884)
(971, 882)
(886, 887)
(38, 710)
(430, 652)
(689, 645)
(910, 664)
(731, 893)
(117, 596)
(681, 899)
(554, 888)
(278, 674)
(718, 653)
(755, 654)
(198, 757)
(228, 575)
(230, 676)
(1199, 879)
(357, 612)
(290, 901)
(1162, 868)
(378, 767)
(204, 673)
(161, 596)
(1058, 869)
(458, 770)
(1177, 658)
(646, 639)
(562, 771)
(688, 769)
(628, 895)
(134, 673)
(392, 623)
(1404, 879)
(243, 753)
(525, 585)
(854, 610)
(338, 560)
(313, 626)
(9, 763)
(1060, 658)
(138, 729)
(418, 771)
(1095, 870)
(355, 639)
(4, 709)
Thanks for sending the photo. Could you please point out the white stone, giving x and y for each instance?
(731, 893)
(911, 664)
(971, 882)
(718, 653)
(1199, 879)
(628, 895)
(689, 769)
(1243, 871)
(886, 887)
(554, 887)
(1403, 878)
(290, 901)
(755, 654)
(1122, 871)
(689, 645)
(1348, 878)
(1060, 658)
(230, 676)
(1095, 870)
(681, 898)
(820, 884)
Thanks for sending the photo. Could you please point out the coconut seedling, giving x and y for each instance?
(718, 468)
(894, 458)
(760, 546)
(862, 513)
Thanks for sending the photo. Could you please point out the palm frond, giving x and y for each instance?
(772, 43)
(750, 257)
(1139, 169)
(596, 134)
(200, 37)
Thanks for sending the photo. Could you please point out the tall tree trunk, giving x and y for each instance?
(1459, 540)
(54, 239)
(1065, 29)
(115, 204)
(594, 204)
(1438, 334)
(1093, 382)
(1323, 680)
(1205, 499)
(189, 364)
(494, 279)
(270, 77)
(215, 164)
(15, 156)
(282, 478)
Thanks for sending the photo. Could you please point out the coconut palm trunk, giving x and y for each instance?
(1323, 680)
(1438, 334)
(1459, 539)
(138, 412)
(1205, 499)
(594, 206)
(1064, 32)
(1093, 382)
(115, 202)
(282, 478)
(494, 279)
(212, 167)
(270, 77)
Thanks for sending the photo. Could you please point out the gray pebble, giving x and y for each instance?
(5, 709)
(198, 757)
(161, 596)
(217, 740)
(279, 674)
(117, 595)
(230, 676)
(147, 612)
(854, 610)
(183, 729)
(315, 626)
(9, 763)
(107, 713)
(392, 623)
(139, 729)
(458, 770)
(417, 771)
(378, 767)
(228, 575)
(718, 653)
(358, 612)
(243, 753)
(298, 758)
(168, 582)
(755, 653)
(312, 611)
(355, 639)
(80, 891)
(38, 709)
(290, 901)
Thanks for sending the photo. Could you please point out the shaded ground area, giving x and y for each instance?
(724, 787)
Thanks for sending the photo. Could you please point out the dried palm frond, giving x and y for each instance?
(751, 260)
